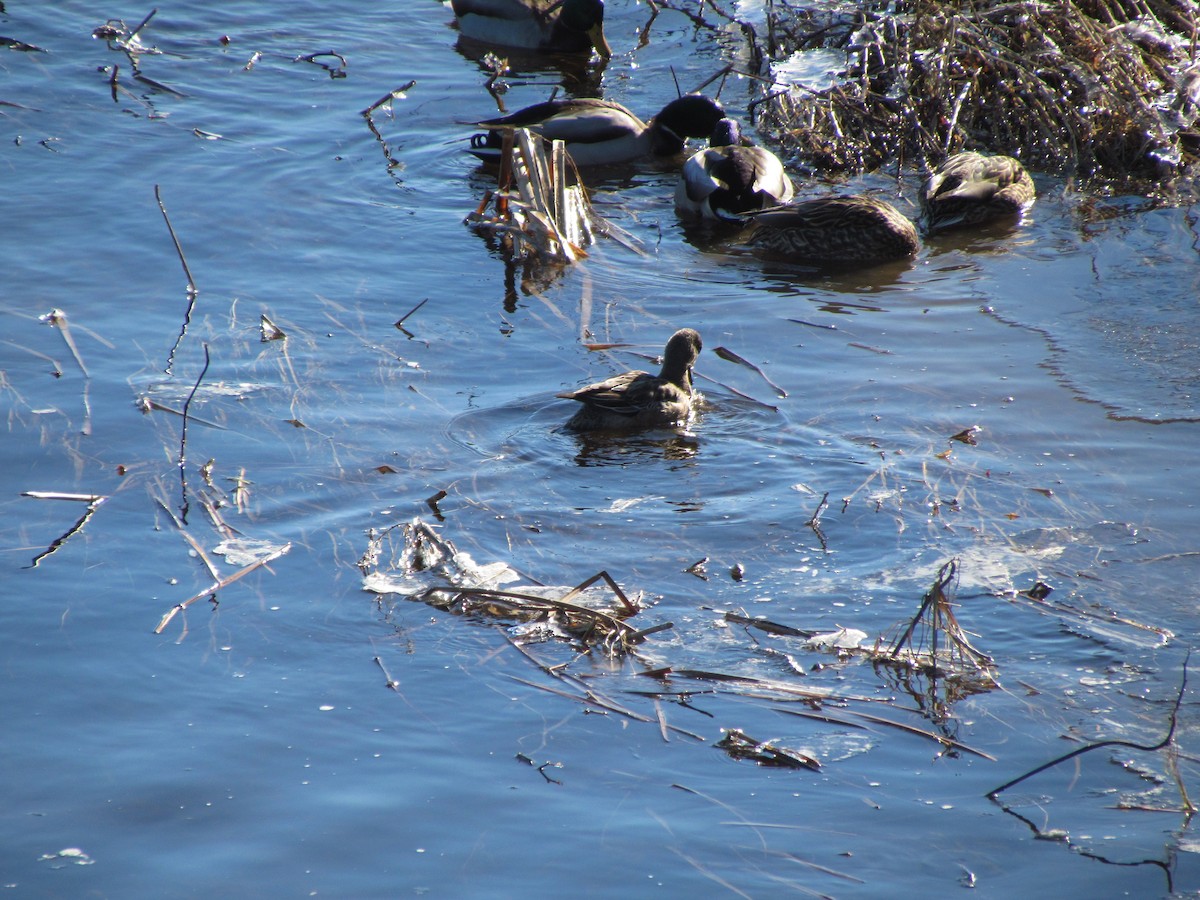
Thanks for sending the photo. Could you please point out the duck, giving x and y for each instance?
(839, 230)
(730, 177)
(972, 188)
(603, 132)
(564, 26)
(638, 399)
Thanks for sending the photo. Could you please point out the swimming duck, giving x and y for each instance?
(565, 26)
(838, 230)
(730, 177)
(601, 132)
(638, 399)
(970, 188)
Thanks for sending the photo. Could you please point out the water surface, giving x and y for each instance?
(254, 747)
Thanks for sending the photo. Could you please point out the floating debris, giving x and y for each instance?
(432, 570)
(935, 646)
(766, 753)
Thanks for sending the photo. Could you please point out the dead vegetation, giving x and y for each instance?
(1104, 89)
(411, 561)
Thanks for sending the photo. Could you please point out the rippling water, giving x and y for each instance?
(255, 748)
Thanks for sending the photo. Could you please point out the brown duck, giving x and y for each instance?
(638, 399)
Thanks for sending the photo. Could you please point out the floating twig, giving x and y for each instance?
(217, 586)
(397, 94)
(391, 683)
(400, 322)
(93, 501)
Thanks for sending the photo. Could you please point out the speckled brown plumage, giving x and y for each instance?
(970, 189)
(638, 399)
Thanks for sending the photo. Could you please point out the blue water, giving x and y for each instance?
(254, 747)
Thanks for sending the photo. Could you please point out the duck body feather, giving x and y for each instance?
(837, 230)
(971, 189)
(549, 26)
(730, 177)
(603, 132)
(637, 399)
(723, 182)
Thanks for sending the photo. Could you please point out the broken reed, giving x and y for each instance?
(542, 217)
(1097, 88)
(933, 642)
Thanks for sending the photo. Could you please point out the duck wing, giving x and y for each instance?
(626, 395)
(583, 120)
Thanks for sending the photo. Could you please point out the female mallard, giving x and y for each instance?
(565, 26)
(638, 399)
(970, 188)
(601, 132)
(730, 177)
(841, 231)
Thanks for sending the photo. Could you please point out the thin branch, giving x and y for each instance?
(991, 795)
(183, 438)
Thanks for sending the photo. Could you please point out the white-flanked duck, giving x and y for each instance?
(548, 26)
(730, 177)
(603, 132)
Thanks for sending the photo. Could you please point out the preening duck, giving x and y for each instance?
(839, 231)
(601, 132)
(971, 188)
(638, 399)
(565, 26)
(730, 177)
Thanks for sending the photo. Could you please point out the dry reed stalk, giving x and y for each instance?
(1096, 88)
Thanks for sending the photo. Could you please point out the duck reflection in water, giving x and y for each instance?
(597, 449)
(637, 399)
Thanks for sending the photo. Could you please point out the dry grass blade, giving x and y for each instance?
(547, 222)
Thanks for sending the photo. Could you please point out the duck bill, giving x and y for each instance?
(596, 33)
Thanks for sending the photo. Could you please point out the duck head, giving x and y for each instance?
(679, 356)
(586, 17)
(690, 116)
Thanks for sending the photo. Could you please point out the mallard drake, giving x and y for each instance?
(730, 177)
(970, 188)
(638, 399)
(839, 230)
(601, 132)
(565, 26)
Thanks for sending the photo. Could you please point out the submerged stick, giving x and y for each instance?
(183, 438)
